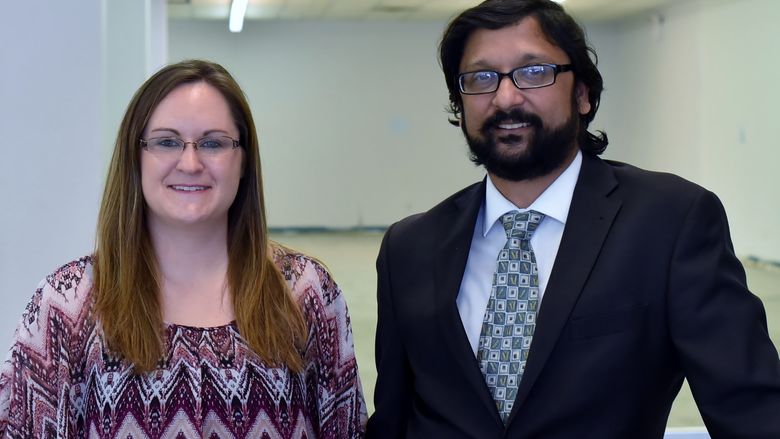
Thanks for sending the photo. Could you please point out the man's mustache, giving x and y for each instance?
(514, 116)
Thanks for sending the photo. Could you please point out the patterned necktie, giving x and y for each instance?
(510, 317)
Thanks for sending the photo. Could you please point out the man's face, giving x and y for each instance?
(520, 134)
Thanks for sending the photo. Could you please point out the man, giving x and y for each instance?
(564, 296)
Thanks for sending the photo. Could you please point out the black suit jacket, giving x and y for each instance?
(645, 290)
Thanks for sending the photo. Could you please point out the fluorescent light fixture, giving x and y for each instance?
(237, 12)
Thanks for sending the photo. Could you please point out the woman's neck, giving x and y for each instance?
(192, 264)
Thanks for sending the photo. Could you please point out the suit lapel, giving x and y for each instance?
(590, 218)
(455, 242)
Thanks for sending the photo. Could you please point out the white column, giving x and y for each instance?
(68, 69)
(135, 44)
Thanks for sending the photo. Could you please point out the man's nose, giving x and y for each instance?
(507, 95)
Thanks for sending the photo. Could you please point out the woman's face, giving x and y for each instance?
(195, 186)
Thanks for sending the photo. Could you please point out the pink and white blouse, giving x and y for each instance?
(60, 381)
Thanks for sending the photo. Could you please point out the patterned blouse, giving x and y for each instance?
(59, 381)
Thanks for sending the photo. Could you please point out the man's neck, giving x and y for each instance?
(524, 192)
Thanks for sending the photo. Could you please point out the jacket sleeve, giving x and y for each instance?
(393, 393)
(720, 330)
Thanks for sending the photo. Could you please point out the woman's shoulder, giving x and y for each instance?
(59, 307)
(64, 292)
(72, 280)
(305, 274)
(71, 276)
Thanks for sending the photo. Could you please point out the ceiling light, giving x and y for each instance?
(237, 12)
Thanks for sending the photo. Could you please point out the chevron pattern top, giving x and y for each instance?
(59, 380)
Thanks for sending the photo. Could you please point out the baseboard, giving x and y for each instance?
(687, 433)
(765, 264)
(752, 261)
(323, 229)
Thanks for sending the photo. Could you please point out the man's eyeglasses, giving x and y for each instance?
(173, 146)
(533, 76)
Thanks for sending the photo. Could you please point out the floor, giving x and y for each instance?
(350, 258)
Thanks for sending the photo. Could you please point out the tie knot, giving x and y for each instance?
(521, 225)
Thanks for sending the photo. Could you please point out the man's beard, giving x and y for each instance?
(546, 149)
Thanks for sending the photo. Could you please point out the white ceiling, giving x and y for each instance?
(403, 10)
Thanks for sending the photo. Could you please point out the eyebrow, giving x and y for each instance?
(527, 59)
(176, 132)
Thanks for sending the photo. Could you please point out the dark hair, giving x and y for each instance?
(560, 29)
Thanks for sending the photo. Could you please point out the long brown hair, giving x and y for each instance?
(126, 282)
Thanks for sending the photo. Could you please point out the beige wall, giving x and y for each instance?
(350, 116)
(697, 95)
(353, 130)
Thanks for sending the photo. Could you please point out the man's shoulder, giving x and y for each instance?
(424, 221)
(636, 179)
(646, 192)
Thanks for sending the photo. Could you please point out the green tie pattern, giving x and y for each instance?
(510, 317)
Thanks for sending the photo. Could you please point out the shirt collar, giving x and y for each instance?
(554, 202)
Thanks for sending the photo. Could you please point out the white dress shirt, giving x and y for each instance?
(490, 237)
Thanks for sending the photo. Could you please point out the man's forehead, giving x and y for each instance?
(520, 43)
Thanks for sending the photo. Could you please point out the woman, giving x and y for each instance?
(186, 321)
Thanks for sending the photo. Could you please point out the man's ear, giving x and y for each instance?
(581, 93)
